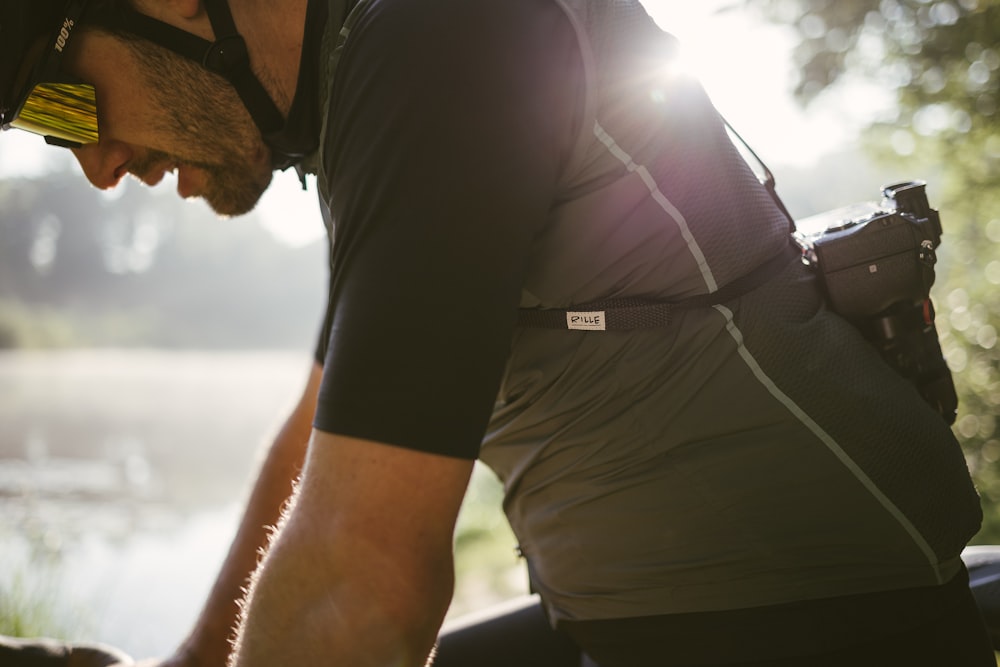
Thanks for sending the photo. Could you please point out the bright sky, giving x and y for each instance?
(744, 65)
(747, 69)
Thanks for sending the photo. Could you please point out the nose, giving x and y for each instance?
(104, 163)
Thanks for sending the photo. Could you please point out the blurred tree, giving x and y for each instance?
(937, 63)
(140, 267)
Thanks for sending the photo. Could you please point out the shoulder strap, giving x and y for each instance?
(633, 313)
(627, 314)
(766, 177)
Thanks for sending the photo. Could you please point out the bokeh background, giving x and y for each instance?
(148, 349)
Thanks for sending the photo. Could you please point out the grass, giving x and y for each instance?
(27, 610)
(486, 566)
(31, 604)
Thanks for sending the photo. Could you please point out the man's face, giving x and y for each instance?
(160, 112)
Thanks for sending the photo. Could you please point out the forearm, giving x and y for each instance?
(361, 571)
(309, 606)
(208, 644)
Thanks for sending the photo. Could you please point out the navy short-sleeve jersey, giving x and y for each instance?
(441, 151)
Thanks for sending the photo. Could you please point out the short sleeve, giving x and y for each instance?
(448, 125)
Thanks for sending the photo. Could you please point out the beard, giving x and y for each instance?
(208, 127)
(230, 188)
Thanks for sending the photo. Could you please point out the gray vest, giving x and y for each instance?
(725, 461)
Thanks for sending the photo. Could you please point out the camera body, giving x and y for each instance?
(876, 264)
(872, 256)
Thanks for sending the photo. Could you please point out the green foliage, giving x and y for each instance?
(31, 605)
(928, 50)
(486, 564)
(25, 327)
(24, 612)
(939, 62)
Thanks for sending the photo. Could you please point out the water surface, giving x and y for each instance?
(122, 478)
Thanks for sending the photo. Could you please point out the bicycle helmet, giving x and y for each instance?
(24, 23)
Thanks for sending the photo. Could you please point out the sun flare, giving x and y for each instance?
(746, 67)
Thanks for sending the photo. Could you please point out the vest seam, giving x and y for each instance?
(831, 444)
(664, 203)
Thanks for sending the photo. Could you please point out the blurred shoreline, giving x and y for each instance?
(122, 478)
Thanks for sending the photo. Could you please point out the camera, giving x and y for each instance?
(876, 265)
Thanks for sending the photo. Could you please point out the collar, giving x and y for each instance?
(299, 137)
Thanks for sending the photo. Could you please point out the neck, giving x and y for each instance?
(273, 30)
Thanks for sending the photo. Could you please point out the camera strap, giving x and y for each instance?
(766, 177)
(630, 313)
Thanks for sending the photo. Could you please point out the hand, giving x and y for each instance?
(44, 652)
(177, 660)
(40, 652)
(88, 660)
(96, 655)
(182, 658)
(172, 661)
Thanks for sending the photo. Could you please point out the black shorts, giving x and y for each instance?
(932, 627)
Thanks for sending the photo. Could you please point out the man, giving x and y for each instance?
(744, 481)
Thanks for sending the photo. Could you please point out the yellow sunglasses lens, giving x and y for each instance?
(67, 111)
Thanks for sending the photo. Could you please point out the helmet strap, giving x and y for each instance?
(227, 56)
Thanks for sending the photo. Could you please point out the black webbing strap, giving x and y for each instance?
(628, 314)
(227, 56)
(768, 178)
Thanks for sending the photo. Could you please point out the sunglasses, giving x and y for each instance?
(55, 105)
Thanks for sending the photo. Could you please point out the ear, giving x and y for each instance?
(186, 9)
(188, 15)
(164, 9)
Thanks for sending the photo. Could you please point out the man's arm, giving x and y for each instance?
(361, 571)
(208, 645)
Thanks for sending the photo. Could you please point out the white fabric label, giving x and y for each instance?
(590, 321)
